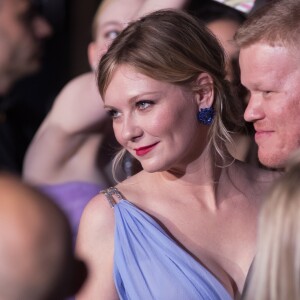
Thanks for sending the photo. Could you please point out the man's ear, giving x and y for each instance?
(204, 91)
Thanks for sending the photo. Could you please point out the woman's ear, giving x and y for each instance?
(204, 92)
(93, 56)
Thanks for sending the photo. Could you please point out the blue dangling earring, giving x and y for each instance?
(206, 115)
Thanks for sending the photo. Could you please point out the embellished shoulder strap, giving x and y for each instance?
(111, 194)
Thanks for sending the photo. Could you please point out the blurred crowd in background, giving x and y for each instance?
(62, 56)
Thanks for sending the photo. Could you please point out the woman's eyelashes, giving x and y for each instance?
(113, 113)
(144, 104)
(141, 105)
(111, 34)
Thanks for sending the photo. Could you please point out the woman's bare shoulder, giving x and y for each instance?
(98, 213)
(134, 187)
(95, 244)
(96, 231)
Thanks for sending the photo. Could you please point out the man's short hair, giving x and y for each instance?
(276, 23)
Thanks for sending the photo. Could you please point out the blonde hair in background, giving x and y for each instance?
(276, 269)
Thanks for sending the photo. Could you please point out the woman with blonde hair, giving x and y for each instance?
(69, 157)
(276, 269)
(184, 227)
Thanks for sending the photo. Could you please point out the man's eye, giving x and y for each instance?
(26, 17)
(266, 93)
(30, 13)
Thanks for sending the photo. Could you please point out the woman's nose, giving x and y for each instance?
(131, 129)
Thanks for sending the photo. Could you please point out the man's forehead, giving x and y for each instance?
(20, 5)
(265, 55)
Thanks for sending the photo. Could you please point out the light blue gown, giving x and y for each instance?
(150, 265)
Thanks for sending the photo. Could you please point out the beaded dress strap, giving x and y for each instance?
(111, 194)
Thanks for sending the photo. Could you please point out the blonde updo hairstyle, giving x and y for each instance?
(175, 47)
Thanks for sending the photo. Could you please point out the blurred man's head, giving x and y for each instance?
(36, 260)
(21, 32)
(269, 44)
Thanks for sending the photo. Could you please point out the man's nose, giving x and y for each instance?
(41, 27)
(254, 109)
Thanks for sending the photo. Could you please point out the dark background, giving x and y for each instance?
(65, 56)
(66, 51)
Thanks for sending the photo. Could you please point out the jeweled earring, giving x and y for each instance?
(206, 115)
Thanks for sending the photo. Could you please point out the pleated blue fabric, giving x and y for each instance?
(150, 265)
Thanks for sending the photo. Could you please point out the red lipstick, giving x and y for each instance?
(144, 150)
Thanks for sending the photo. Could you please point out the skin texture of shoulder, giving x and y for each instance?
(95, 245)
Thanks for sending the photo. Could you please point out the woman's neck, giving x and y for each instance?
(201, 172)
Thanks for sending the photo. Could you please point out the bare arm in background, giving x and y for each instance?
(71, 133)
